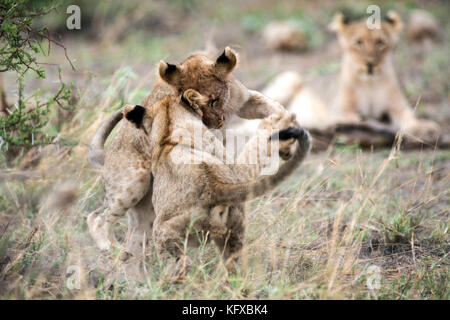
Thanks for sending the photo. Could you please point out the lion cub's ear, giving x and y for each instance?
(226, 62)
(169, 72)
(134, 114)
(339, 22)
(194, 100)
(394, 23)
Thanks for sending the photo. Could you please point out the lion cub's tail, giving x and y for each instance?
(96, 154)
(240, 192)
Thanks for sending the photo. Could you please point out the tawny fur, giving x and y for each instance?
(367, 87)
(422, 26)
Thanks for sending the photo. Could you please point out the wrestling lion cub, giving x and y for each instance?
(367, 87)
(125, 164)
(192, 185)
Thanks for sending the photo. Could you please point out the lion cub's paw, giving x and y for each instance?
(277, 122)
(218, 221)
(299, 134)
(426, 130)
(99, 231)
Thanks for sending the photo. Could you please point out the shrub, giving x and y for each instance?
(20, 43)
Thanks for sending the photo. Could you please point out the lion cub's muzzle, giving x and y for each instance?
(217, 124)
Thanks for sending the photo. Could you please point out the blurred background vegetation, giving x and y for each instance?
(123, 40)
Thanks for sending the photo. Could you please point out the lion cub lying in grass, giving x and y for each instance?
(367, 87)
(193, 187)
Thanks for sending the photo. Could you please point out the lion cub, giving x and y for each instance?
(125, 162)
(192, 184)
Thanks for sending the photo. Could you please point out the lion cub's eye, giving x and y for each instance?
(213, 102)
(359, 42)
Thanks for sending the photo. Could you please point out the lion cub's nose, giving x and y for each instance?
(370, 66)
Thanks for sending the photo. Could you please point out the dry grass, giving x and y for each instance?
(315, 237)
(325, 233)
